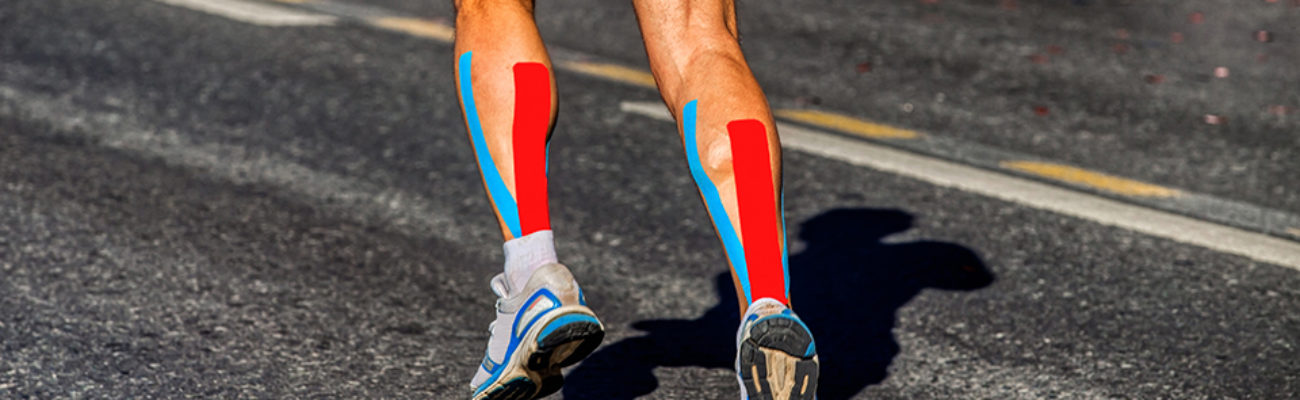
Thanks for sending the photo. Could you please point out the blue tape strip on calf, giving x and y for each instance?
(501, 197)
(730, 241)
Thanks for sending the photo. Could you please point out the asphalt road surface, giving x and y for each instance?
(196, 206)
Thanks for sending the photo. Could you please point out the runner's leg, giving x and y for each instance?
(507, 94)
(731, 142)
(735, 157)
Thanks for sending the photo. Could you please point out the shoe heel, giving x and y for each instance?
(779, 356)
(565, 340)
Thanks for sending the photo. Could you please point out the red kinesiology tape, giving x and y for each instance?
(756, 203)
(532, 122)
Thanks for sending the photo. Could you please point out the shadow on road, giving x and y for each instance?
(847, 285)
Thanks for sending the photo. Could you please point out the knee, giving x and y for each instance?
(704, 45)
(697, 65)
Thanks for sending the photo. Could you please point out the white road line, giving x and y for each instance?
(255, 13)
(1213, 236)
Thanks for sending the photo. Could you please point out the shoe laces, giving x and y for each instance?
(501, 288)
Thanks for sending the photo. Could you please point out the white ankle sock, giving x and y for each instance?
(526, 254)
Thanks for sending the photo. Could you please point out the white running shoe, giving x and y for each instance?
(539, 329)
(776, 358)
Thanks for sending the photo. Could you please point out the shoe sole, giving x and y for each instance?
(778, 361)
(569, 336)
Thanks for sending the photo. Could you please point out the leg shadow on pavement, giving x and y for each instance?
(846, 284)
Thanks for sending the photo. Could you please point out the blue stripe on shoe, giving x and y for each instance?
(712, 201)
(565, 320)
(501, 197)
(517, 336)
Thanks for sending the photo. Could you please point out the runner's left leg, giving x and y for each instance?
(507, 94)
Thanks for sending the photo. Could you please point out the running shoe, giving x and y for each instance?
(776, 358)
(541, 328)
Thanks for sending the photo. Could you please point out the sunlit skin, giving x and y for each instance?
(694, 52)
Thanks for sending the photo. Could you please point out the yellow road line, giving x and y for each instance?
(1088, 178)
(418, 27)
(615, 72)
(847, 124)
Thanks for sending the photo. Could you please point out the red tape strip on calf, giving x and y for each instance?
(532, 120)
(756, 202)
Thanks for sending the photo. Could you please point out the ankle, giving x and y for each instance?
(526, 254)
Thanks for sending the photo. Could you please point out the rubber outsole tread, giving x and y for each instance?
(786, 336)
(586, 335)
(581, 338)
(520, 388)
(753, 364)
(783, 334)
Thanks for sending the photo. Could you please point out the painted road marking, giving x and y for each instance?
(846, 124)
(255, 13)
(615, 72)
(417, 27)
(1109, 183)
(1026, 192)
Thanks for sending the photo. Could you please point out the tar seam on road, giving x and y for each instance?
(1200, 206)
(1027, 192)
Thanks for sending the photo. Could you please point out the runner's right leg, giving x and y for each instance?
(508, 100)
(734, 154)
